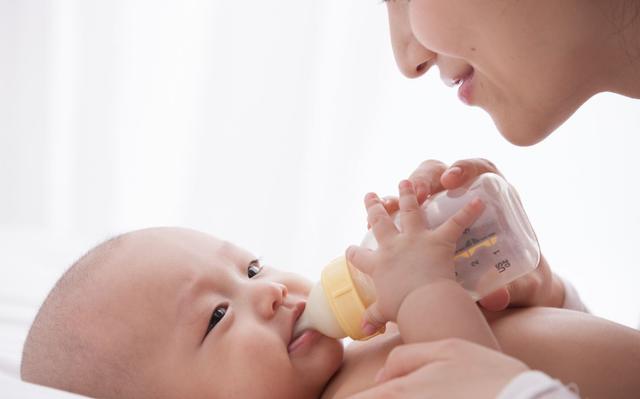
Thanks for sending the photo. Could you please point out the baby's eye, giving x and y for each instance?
(254, 268)
(216, 316)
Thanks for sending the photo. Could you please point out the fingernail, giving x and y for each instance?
(422, 190)
(371, 196)
(379, 375)
(368, 328)
(454, 171)
(349, 251)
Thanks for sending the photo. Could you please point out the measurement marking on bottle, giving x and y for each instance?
(502, 265)
(485, 243)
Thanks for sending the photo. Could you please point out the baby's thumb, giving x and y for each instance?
(373, 321)
(360, 258)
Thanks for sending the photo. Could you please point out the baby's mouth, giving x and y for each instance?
(300, 334)
(303, 339)
(298, 310)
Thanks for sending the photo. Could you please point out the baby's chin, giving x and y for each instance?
(319, 366)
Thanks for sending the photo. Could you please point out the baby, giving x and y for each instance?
(175, 313)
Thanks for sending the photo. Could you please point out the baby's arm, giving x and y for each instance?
(413, 271)
(443, 309)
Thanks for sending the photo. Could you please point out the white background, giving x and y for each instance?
(266, 122)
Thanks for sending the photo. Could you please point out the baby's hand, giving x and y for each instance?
(409, 257)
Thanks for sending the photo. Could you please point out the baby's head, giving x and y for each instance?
(175, 313)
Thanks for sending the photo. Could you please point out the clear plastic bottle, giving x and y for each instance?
(498, 248)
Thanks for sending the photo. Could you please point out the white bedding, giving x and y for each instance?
(30, 263)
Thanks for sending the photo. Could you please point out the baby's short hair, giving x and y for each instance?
(60, 350)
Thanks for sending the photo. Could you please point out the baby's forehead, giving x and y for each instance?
(177, 263)
(188, 247)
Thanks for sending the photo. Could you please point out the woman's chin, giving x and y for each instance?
(526, 129)
(525, 125)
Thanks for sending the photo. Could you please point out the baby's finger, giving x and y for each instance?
(466, 170)
(452, 229)
(378, 218)
(361, 258)
(391, 205)
(411, 215)
(373, 320)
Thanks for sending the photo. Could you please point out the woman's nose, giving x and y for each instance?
(268, 297)
(412, 57)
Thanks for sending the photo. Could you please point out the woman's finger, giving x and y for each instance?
(406, 359)
(497, 300)
(412, 386)
(426, 178)
(463, 171)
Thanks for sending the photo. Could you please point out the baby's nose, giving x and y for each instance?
(270, 297)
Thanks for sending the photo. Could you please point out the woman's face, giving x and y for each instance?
(526, 62)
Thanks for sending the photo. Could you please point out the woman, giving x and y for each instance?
(530, 64)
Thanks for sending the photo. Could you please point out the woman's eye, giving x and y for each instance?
(216, 316)
(253, 269)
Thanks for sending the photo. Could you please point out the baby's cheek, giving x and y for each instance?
(296, 284)
(258, 364)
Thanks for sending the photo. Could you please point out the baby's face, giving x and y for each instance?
(207, 320)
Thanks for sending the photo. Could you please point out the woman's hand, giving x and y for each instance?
(451, 368)
(408, 257)
(538, 288)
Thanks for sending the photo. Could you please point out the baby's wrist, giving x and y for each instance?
(441, 309)
(437, 288)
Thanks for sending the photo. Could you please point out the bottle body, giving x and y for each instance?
(498, 248)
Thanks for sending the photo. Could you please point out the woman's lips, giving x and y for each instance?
(466, 88)
(305, 339)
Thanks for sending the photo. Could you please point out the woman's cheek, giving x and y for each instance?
(445, 26)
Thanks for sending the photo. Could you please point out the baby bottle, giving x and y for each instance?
(498, 248)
